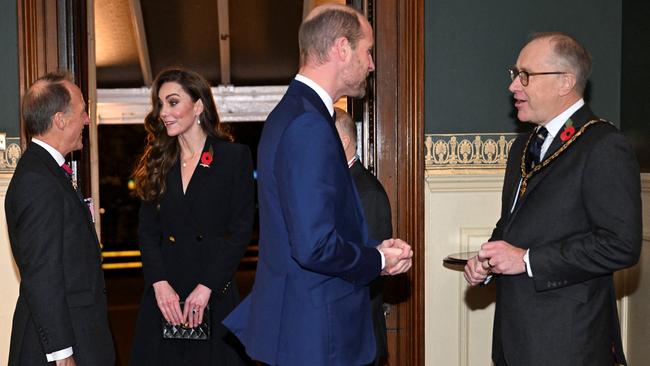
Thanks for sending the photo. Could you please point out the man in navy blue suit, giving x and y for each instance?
(310, 302)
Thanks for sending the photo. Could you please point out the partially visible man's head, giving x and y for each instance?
(347, 130)
(558, 67)
(54, 105)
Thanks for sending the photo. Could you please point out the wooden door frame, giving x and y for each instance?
(397, 134)
(53, 35)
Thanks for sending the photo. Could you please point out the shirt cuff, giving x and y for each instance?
(527, 262)
(59, 355)
(383, 259)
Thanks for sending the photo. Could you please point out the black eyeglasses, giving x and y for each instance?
(525, 75)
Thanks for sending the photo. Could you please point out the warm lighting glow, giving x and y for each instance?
(121, 253)
(114, 35)
(342, 103)
(122, 265)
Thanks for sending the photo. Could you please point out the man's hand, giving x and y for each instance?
(68, 361)
(502, 257)
(398, 256)
(168, 304)
(476, 271)
(195, 305)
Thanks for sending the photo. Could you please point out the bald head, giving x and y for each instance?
(47, 96)
(323, 26)
(568, 54)
(347, 130)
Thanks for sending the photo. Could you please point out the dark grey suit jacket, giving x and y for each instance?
(62, 299)
(376, 208)
(581, 219)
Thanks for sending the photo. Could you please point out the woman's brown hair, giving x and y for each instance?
(162, 151)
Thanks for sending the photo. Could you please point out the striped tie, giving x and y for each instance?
(535, 148)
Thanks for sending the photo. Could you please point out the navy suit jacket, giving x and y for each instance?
(310, 303)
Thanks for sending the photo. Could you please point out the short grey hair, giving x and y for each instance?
(571, 53)
(322, 27)
(45, 98)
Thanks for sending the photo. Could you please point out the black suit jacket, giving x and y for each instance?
(62, 299)
(191, 238)
(376, 208)
(581, 219)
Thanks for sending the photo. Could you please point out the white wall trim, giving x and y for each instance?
(234, 103)
(492, 182)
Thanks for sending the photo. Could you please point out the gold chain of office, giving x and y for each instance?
(525, 176)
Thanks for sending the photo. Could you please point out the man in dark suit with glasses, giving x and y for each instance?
(570, 218)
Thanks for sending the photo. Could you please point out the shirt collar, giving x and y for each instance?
(554, 125)
(352, 161)
(54, 152)
(327, 100)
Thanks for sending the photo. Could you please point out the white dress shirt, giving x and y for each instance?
(326, 98)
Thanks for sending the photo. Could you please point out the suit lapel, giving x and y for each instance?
(62, 179)
(202, 172)
(579, 118)
(56, 171)
(302, 90)
(199, 179)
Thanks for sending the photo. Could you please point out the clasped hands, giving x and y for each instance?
(168, 302)
(398, 256)
(494, 257)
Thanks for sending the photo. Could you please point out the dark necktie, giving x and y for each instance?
(535, 147)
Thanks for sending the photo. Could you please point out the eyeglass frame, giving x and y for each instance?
(515, 72)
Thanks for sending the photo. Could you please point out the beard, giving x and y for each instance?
(356, 85)
(360, 90)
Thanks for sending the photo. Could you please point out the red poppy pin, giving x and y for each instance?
(206, 158)
(568, 130)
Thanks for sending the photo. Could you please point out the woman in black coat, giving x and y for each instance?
(195, 223)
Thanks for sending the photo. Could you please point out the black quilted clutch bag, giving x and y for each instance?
(199, 333)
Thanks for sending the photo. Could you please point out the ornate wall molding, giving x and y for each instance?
(473, 153)
(9, 157)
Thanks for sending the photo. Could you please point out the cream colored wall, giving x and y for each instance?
(8, 276)
(638, 288)
(460, 212)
